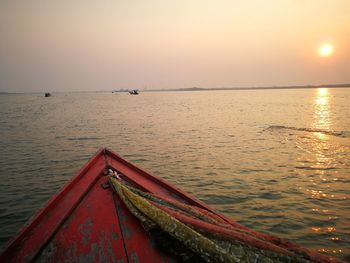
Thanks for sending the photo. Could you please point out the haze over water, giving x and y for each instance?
(277, 161)
(103, 45)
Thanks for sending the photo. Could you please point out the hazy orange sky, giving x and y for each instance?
(103, 45)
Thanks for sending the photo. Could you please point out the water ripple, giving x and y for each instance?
(344, 134)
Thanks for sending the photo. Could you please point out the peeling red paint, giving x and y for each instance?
(85, 222)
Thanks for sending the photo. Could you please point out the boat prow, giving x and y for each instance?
(87, 222)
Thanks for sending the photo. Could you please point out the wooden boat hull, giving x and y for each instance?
(87, 222)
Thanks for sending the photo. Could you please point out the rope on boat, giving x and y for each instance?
(206, 234)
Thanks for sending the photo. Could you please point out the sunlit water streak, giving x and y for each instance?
(277, 161)
(322, 113)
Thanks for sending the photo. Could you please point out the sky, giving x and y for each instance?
(72, 45)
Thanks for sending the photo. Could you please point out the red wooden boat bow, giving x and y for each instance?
(87, 222)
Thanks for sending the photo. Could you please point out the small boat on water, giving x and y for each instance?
(134, 92)
(47, 94)
(113, 211)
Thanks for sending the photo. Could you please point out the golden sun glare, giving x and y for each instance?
(326, 50)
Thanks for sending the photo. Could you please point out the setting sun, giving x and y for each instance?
(326, 50)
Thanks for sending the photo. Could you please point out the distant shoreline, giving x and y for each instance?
(254, 88)
(192, 89)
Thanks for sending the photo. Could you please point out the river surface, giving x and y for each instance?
(277, 161)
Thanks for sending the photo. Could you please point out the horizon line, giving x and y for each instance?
(342, 85)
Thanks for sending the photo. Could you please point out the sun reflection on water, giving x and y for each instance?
(322, 149)
(322, 120)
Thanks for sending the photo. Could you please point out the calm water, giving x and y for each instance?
(277, 161)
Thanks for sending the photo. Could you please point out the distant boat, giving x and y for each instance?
(47, 94)
(134, 92)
